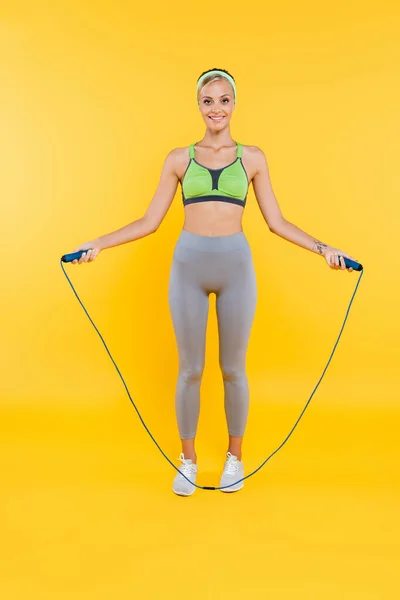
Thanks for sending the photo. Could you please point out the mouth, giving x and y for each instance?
(216, 119)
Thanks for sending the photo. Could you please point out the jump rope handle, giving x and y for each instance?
(73, 256)
(352, 264)
(76, 256)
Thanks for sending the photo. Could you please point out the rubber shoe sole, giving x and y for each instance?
(233, 488)
(183, 493)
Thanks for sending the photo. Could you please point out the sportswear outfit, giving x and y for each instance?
(222, 265)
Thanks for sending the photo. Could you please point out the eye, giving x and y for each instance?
(206, 100)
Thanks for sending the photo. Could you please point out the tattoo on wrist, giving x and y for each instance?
(319, 247)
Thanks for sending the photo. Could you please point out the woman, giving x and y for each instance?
(212, 255)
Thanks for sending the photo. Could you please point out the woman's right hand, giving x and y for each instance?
(92, 249)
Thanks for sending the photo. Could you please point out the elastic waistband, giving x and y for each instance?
(211, 243)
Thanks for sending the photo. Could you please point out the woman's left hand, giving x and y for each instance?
(332, 255)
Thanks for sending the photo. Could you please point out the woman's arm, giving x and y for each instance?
(147, 224)
(278, 224)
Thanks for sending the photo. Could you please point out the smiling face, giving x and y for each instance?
(216, 104)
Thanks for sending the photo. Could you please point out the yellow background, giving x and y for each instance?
(93, 97)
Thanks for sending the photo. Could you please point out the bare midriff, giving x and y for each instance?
(213, 218)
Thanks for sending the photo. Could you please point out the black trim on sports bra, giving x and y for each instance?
(215, 198)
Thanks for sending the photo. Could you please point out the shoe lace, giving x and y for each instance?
(231, 465)
(187, 468)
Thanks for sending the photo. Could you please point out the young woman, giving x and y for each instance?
(212, 255)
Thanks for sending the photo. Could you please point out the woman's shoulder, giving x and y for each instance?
(253, 158)
(178, 160)
(179, 153)
(179, 157)
(252, 150)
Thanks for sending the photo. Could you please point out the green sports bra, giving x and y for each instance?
(228, 184)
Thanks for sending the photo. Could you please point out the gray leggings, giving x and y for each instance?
(202, 265)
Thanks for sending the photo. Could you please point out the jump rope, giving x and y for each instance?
(349, 264)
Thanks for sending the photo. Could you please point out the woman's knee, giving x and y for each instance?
(191, 374)
(233, 374)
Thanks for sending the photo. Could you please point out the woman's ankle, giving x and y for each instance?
(191, 456)
(235, 446)
(188, 450)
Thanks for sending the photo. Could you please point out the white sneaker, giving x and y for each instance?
(233, 471)
(181, 486)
